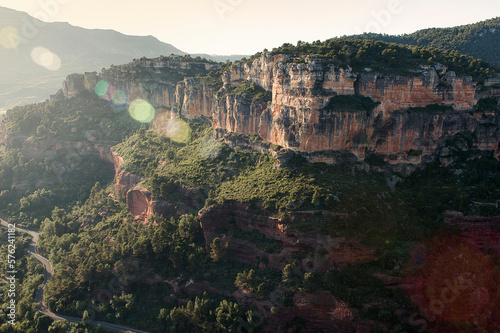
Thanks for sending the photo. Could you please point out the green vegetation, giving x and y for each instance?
(218, 249)
(204, 315)
(431, 108)
(352, 103)
(28, 277)
(162, 276)
(480, 40)
(375, 160)
(260, 282)
(97, 244)
(173, 68)
(120, 255)
(214, 78)
(249, 90)
(79, 119)
(34, 177)
(270, 187)
(386, 58)
(487, 104)
(205, 166)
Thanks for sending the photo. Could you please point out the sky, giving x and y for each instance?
(248, 26)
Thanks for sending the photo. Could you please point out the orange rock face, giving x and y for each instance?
(139, 203)
(296, 117)
(139, 199)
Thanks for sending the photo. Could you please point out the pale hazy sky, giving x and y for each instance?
(249, 26)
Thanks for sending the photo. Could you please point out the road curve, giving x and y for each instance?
(47, 274)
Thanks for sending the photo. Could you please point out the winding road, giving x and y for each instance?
(48, 271)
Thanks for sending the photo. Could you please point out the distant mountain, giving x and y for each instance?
(63, 49)
(479, 40)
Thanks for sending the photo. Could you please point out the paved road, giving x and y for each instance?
(47, 273)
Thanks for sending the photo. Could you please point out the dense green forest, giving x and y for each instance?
(480, 40)
(35, 177)
(161, 276)
(106, 264)
(112, 268)
(386, 58)
(29, 276)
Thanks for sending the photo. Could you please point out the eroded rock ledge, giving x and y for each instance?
(298, 116)
(325, 252)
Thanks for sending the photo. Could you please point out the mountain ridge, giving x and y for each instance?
(462, 38)
(214, 220)
(78, 49)
(308, 102)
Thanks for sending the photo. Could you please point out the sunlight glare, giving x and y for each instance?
(142, 111)
(9, 37)
(178, 130)
(45, 58)
(119, 97)
(101, 88)
(209, 147)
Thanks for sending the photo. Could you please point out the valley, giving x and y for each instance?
(331, 186)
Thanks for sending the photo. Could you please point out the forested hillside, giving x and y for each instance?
(480, 40)
(384, 57)
(176, 225)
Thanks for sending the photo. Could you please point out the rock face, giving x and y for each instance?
(139, 199)
(327, 252)
(124, 180)
(322, 312)
(73, 85)
(298, 117)
(483, 232)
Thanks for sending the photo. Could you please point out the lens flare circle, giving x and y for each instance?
(142, 111)
(209, 148)
(119, 97)
(46, 59)
(101, 88)
(178, 130)
(9, 37)
(452, 279)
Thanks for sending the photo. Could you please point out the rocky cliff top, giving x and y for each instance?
(319, 97)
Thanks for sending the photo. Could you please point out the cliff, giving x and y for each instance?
(224, 221)
(407, 113)
(482, 232)
(141, 202)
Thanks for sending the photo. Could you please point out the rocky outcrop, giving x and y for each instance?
(317, 79)
(159, 81)
(73, 85)
(299, 116)
(139, 201)
(483, 232)
(142, 204)
(322, 312)
(327, 252)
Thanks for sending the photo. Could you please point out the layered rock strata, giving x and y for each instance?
(326, 253)
(298, 116)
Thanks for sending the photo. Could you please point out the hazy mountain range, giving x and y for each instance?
(64, 49)
(23, 81)
(297, 196)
